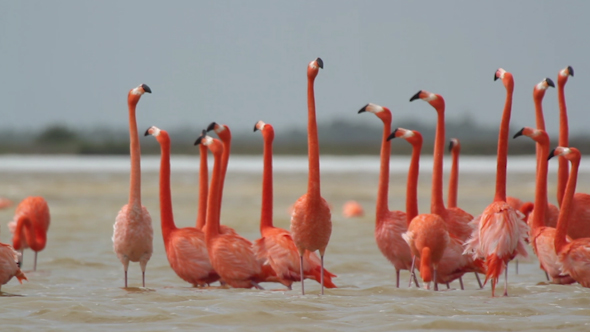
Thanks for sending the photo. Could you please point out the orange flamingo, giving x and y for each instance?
(390, 225)
(453, 263)
(31, 220)
(5, 202)
(186, 249)
(455, 149)
(132, 232)
(9, 266)
(276, 247)
(562, 171)
(352, 209)
(574, 256)
(311, 220)
(203, 186)
(500, 231)
(231, 255)
(541, 236)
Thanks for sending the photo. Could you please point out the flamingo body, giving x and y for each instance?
(187, 254)
(390, 242)
(8, 265)
(575, 260)
(543, 240)
(311, 224)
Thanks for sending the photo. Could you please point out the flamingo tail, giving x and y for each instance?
(496, 266)
(20, 276)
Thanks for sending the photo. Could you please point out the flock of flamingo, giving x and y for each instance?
(443, 244)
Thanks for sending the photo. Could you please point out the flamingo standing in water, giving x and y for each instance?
(455, 149)
(541, 236)
(500, 230)
(562, 170)
(276, 247)
(186, 249)
(453, 263)
(574, 256)
(31, 222)
(390, 225)
(9, 266)
(231, 255)
(311, 220)
(132, 232)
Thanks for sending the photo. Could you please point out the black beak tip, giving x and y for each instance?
(496, 75)
(571, 70)
(255, 129)
(198, 141)
(320, 62)
(392, 135)
(146, 88)
(211, 126)
(364, 109)
(550, 82)
(416, 96)
(147, 132)
(551, 154)
(451, 146)
(519, 133)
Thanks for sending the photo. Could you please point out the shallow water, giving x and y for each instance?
(79, 279)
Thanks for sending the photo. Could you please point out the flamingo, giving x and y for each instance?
(31, 222)
(311, 220)
(186, 249)
(541, 236)
(453, 263)
(455, 149)
(231, 255)
(500, 230)
(390, 225)
(203, 186)
(562, 171)
(352, 209)
(132, 232)
(9, 266)
(574, 256)
(5, 202)
(276, 246)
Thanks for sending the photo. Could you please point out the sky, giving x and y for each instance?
(236, 62)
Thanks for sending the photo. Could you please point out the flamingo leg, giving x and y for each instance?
(506, 281)
(256, 285)
(435, 283)
(125, 278)
(143, 278)
(412, 271)
(461, 283)
(322, 276)
(516, 265)
(22, 256)
(301, 272)
(448, 286)
(493, 287)
(547, 275)
(35, 263)
(415, 280)
(478, 281)
(397, 278)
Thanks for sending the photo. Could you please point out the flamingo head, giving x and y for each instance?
(506, 78)
(537, 135)
(266, 129)
(539, 90)
(160, 135)
(135, 93)
(435, 100)
(564, 74)
(214, 145)
(414, 137)
(381, 112)
(454, 145)
(571, 154)
(314, 67)
(222, 131)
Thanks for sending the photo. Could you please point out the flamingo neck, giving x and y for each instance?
(166, 215)
(203, 187)
(426, 265)
(503, 150)
(214, 200)
(313, 150)
(563, 169)
(267, 201)
(135, 155)
(564, 211)
(224, 163)
(437, 205)
(453, 180)
(412, 184)
(382, 193)
(541, 185)
(35, 238)
(538, 99)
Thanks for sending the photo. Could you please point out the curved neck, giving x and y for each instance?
(541, 185)
(540, 119)
(203, 187)
(454, 180)
(382, 192)
(35, 239)
(214, 199)
(266, 209)
(224, 164)
(437, 205)
(503, 149)
(313, 149)
(166, 216)
(412, 184)
(564, 211)
(135, 154)
(563, 169)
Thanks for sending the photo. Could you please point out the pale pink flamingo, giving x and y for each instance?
(575, 255)
(9, 266)
(31, 220)
(390, 225)
(311, 219)
(562, 171)
(500, 231)
(541, 236)
(276, 247)
(186, 249)
(132, 232)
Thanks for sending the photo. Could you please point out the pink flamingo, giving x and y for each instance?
(500, 232)
(5, 202)
(276, 246)
(352, 209)
(390, 225)
(31, 220)
(541, 236)
(562, 171)
(186, 249)
(9, 266)
(311, 220)
(132, 232)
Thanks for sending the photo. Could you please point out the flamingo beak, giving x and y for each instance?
(496, 75)
(570, 70)
(551, 154)
(255, 129)
(416, 96)
(211, 126)
(146, 88)
(519, 133)
(147, 132)
(550, 82)
(320, 62)
(392, 135)
(362, 110)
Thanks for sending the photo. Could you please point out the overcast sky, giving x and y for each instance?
(236, 62)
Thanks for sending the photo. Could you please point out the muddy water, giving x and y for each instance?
(78, 284)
